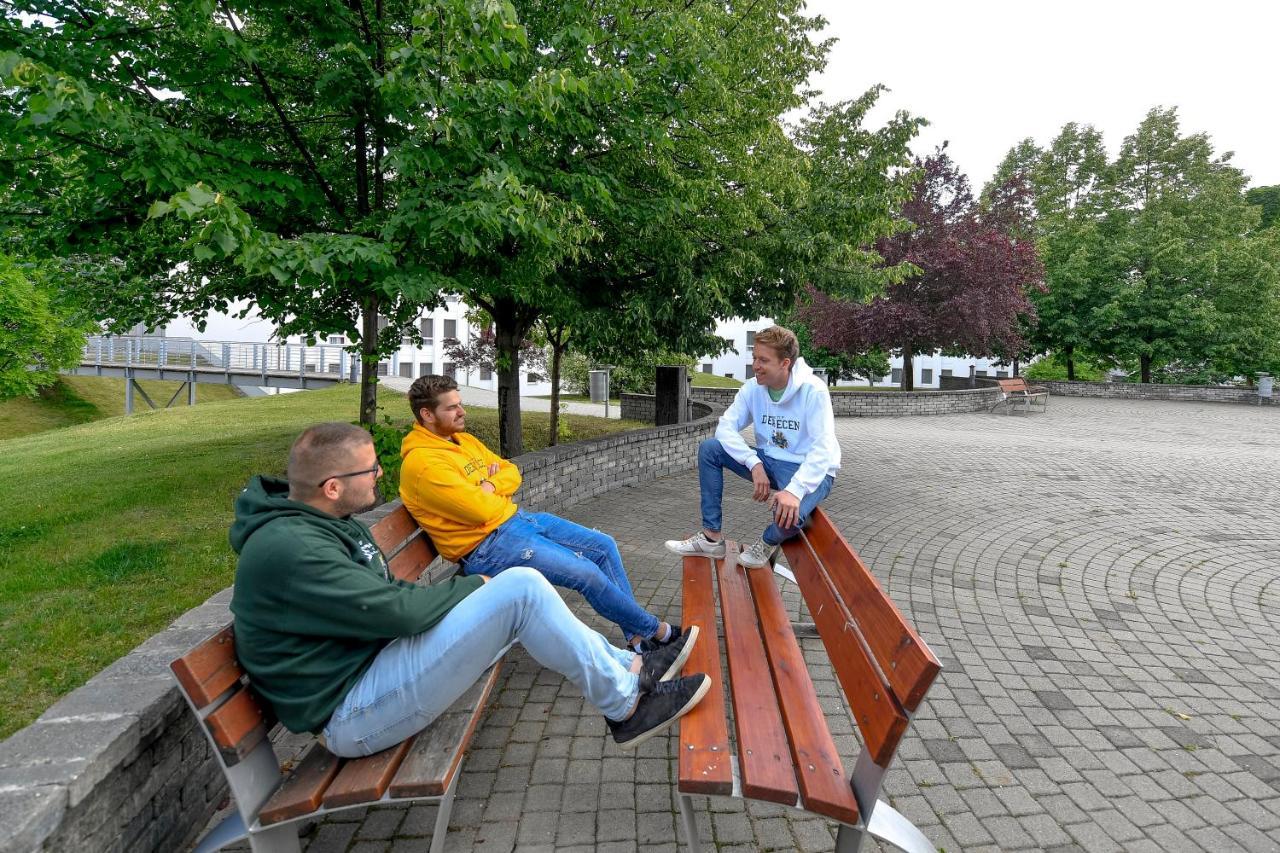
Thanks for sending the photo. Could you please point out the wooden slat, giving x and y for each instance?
(877, 711)
(823, 785)
(905, 659)
(434, 759)
(302, 791)
(367, 779)
(239, 725)
(210, 669)
(414, 559)
(392, 529)
(764, 758)
(705, 767)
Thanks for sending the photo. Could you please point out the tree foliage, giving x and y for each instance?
(1267, 198)
(966, 292)
(38, 335)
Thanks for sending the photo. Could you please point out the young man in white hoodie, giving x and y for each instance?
(795, 459)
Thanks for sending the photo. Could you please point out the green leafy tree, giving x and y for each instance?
(1267, 198)
(38, 335)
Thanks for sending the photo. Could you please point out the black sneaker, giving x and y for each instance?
(665, 661)
(668, 702)
(651, 644)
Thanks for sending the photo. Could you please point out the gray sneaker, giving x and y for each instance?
(759, 555)
(697, 545)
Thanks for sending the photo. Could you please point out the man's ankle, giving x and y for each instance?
(711, 537)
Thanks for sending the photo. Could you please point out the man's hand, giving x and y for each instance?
(486, 486)
(493, 468)
(760, 482)
(786, 509)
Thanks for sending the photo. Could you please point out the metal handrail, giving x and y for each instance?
(274, 359)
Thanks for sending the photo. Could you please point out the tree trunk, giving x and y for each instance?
(1071, 364)
(1015, 367)
(369, 362)
(508, 334)
(557, 350)
(1144, 365)
(908, 370)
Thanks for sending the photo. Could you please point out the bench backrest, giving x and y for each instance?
(234, 718)
(881, 663)
(1015, 384)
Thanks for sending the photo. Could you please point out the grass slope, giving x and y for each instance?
(115, 528)
(81, 399)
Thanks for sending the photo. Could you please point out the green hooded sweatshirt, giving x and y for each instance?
(314, 602)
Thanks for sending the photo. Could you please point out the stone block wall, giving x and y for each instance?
(877, 404)
(119, 765)
(1155, 391)
(640, 407)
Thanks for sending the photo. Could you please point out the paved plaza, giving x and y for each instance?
(1102, 583)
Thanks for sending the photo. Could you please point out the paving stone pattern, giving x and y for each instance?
(1102, 582)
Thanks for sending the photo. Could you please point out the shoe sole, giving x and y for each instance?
(679, 662)
(665, 724)
(674, 549)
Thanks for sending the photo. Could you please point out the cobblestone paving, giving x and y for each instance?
(1102, 583)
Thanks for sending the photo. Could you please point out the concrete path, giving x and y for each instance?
(483, 398)
(1101, 581)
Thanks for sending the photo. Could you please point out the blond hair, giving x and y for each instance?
(781, 340)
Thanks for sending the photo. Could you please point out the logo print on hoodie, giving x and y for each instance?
(779, 440)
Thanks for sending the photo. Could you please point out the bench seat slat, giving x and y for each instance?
(392, 529)
(303, 790)
(210, 669)
(705, 767)
(904, 658)
(880, 717)
(367, 779)
(436, 754)
(823, 785)
(239, 725)
(764, 758)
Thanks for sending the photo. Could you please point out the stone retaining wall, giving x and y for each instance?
(118, 766)
(876, 404)
(1155, 391)
(640, 407)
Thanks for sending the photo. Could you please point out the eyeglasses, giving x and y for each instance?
(376, 469)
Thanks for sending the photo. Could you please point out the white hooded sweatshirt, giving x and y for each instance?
(800, 427)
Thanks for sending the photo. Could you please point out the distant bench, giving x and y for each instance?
(270, 802)
(783, 751)
(1016, 393)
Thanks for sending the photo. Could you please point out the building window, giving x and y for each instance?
(383, 368)
(486, 374)
(533, 377)
(406, 369)
(428, 327)
(751, 340)
(926, 376)
(946, 371)
(1002, 374)
(706, 368)
(424, 369)
(337, 339)
(746, 371)
(451, 329)
(450, 369)
(728, 376)
(895, 376)
(982, 373)
(406, 341)
(333, 368)
(383, 322)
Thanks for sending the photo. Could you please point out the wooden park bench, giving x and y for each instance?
(270, 801)
(1015, 393)
(783, 751)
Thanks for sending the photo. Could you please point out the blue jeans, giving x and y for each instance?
(415, 679)
(571, 556)
(713, 459)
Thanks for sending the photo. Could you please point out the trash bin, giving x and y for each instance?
(599, 385)
(1265, 381)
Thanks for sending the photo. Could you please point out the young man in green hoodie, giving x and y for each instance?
(338, 646)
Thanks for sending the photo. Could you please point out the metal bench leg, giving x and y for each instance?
(277, 839)
(690, 823)
(849, 839)
(443, 814)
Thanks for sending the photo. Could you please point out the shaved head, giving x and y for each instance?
(321, 452)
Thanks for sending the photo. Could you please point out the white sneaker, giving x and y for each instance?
(759, 555)
(697, 545)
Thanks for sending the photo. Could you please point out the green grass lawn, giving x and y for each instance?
(114, 528)
(81, 399)
(710, 380)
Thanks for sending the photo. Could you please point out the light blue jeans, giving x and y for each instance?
(569, 555)
(713, 459)
(415, 679)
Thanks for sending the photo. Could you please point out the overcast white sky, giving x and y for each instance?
(988, 73)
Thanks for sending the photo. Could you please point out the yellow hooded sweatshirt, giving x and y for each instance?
(440, 484)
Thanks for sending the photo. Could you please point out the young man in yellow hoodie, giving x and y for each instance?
(460, 493)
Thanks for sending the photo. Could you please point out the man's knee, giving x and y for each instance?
(709, 450)
(524, 579)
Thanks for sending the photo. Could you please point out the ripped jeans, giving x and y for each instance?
(568, 555)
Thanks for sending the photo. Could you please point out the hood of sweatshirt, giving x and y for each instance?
(801, 374)
(266, 499)
(420, 438)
